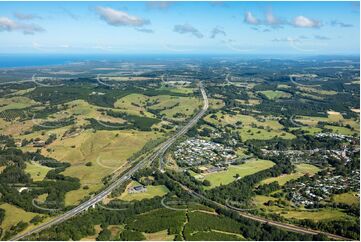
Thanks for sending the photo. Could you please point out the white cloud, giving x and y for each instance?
(159, 4)
(120, 18)
(187, 28)
(7, 24)
(144, 30)
(23, 16)
(288, 39)
(250, 19)
(216, 31)
(320, 37)
(340, 24)
(273, 21)
(304, 22)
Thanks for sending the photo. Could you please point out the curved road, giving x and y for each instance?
(289, 227)
(98, 197)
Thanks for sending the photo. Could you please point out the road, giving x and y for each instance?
(98, 197)
(289, 227)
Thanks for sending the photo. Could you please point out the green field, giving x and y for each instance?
(14, 215)
(301, 213)
(273, 95)
(349, 198)
(159, 236)
(322, 214)
(108, 151)
(37, 171)
(253, 127)
(309, 130)
(15, 103)
(340, 130)
(301, 170)
(225, 177)
(152, 191)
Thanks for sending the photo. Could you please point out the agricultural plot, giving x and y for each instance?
(289, 212)
(107, 151)
(15, 103)
(225, 177)
(274, 95)
(301, 170)
(349, 198)
(37, 171)
(14, 215)
(333, 117)
(167, 105)
(152, 191)
(250, 127)
(159, 236)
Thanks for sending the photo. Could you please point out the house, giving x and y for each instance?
(137, 189)
(38, 143)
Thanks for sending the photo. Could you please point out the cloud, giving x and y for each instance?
(250, 19)
(187, 28)
(7, 24)
(340, 24)
(70, 14)
(288, 39)
(304, 22)
(159, 4)
(23, 16)
(320, 37)
(120, 18)
(270, 20)
(216, 31)
(144, 30)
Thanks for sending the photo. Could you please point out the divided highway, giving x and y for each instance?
(98, 197)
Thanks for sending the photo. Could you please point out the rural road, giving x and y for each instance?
(98, 197)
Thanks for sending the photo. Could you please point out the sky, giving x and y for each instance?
(180, 27)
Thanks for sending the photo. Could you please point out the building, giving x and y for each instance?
(137, 189)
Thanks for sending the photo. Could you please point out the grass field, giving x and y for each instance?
(333, 117)
(322, 214)
(262, 134)
(301, 170)
(37, 171)
(301, 213)
(15, 103)
(340, 130)
(106, 150)
(172, 104)
(274, 95)
(261, 128)
(349, 198)
(152, 191)
(309, 130)
(14, 215)
(159, 236)
(225, 177)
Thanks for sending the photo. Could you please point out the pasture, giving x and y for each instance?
(225, 177)
(349, 198)
(301, 170)
(274, 95)
(152, 191)
(37, 172)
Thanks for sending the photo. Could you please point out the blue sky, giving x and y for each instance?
(180, 27)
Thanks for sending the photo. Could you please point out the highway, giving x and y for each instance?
(98, 197)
